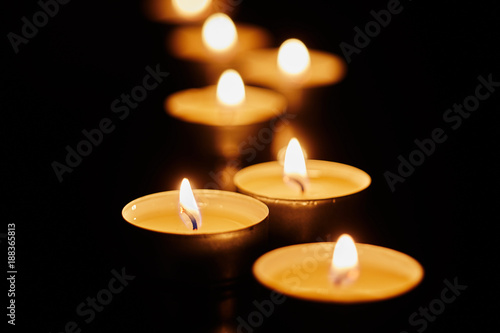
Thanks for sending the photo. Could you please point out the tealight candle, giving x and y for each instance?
(335, 284)
(308, 201)
(200, 235)
(293, 66)
(291, 69)
(178, 11)
(216, 43)
(227, 114)
(304, 271)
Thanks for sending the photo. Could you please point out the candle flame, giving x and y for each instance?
(230, 88)
(345, 265)
(293, 57)
(188, 209)
(219, 33)
(190, 8)
(294, 169)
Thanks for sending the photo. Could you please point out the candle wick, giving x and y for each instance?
(302, 187)
(191, 217)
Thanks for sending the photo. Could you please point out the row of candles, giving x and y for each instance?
(284, 205)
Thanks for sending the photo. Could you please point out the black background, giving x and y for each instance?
(69, 234)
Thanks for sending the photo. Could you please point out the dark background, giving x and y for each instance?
(69, 234)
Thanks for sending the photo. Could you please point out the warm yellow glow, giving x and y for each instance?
(230, 88)
(280, 156)
(345, 266)
(190, 8)
(188, 208)
(294, 169)
(293, 57)
(219, 33)
(345, 254)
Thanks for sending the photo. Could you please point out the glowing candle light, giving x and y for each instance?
(292, 66)
(219, 33)
(338, 272)
(293, 58)
(345, 267)
(225, 114)
(210, 105)
(216, 45)
(190, 8)
(168, 240)
(230, 88)
(178, 11)
(188, 209)
(325, 192)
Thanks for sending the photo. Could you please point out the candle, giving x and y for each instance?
(304, 271)
(292, 65)
(293, 70)
(216, 44)
(200, 235)
(178, 11)
(227, 114)
(308, 203)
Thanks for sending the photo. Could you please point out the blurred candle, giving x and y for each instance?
(219, 34)
(215, 44)
(293, 60)
(292, 65)
(178, 11)
(225, 115)
(189, 8)
(292, 69)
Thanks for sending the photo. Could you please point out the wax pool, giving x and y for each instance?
(214, 221)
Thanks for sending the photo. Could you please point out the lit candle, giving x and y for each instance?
(178, 11)
(206, 235)
(292, 65)
(307, 199)
(340, 272)
(226, 114)
(216, 43)
(292, 69)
